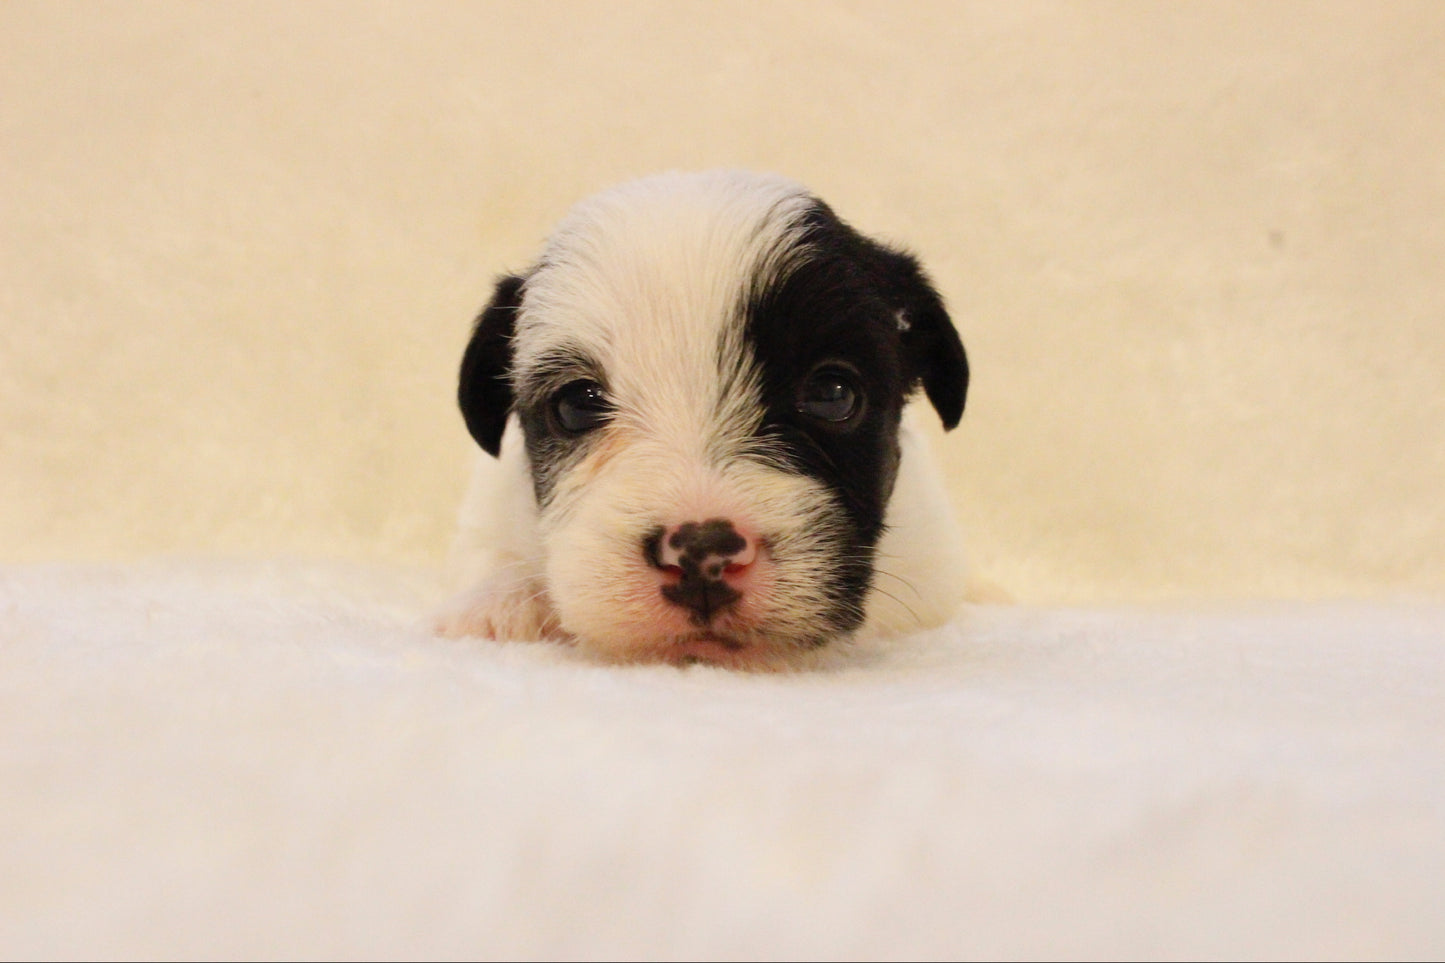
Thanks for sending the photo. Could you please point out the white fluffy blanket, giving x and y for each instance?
(278, 760)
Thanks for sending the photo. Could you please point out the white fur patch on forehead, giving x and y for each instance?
(649, 281)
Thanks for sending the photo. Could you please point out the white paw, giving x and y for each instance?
(504, 609)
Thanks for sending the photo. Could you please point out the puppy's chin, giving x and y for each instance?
(744, 637)
(747, 651)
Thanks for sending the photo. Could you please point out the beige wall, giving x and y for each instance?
(1197, 252)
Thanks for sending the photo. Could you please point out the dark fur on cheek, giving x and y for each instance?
(852, 302)
(551, 451)
(831, 307)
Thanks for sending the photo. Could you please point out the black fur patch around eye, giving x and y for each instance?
(551, 451)
(851, 301)
(832, 307)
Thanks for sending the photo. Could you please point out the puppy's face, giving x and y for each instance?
(709, 371)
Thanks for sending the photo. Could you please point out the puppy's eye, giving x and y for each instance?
(580, 406)
(831, 394)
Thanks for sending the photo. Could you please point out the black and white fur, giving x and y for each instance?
(709, 373)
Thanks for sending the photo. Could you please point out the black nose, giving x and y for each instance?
(700, 561)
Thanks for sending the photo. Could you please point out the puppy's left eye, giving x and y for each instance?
(580, 407)
(832, 394)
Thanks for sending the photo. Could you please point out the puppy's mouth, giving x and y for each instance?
(747, 652)
(709, 647)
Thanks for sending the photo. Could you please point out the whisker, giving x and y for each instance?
(899, 578)
(906, 607)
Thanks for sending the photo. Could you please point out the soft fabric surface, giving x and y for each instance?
(276, 760)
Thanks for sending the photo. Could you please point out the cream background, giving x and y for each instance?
(1195, 252)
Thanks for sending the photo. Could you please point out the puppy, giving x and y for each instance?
(698, 399)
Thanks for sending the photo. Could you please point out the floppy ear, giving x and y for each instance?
(935, 349)
(932, 352)
(484, 390)
(931, 346)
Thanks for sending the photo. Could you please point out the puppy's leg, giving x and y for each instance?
(506, 606)
(495, 564)
(921, 573)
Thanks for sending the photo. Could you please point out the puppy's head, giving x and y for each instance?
(708, 371)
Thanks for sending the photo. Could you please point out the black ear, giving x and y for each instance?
(484, 390)
(931, 346)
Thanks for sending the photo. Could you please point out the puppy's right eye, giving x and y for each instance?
(580, 406)
(831, 395)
